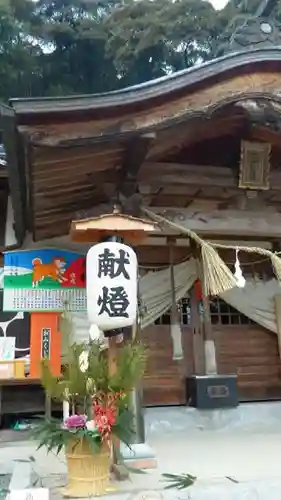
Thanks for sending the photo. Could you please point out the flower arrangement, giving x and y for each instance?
(99, 401)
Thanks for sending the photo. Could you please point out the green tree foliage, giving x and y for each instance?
(19, 55)
(73, 32)
(61, 47)
(148, 38)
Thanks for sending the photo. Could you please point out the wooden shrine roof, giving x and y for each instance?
(76, 153)
(139, 97)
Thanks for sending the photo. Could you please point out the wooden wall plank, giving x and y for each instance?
(163, 381)
(248, 350)
(252, 352)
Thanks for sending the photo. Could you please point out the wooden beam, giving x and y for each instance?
(134, 157)
(177, 173)
(190, 133)
(224, 222)
(61, 194)
(80, 179)
(44, 157)
(43, 205)
(198, 175)
(70, 167)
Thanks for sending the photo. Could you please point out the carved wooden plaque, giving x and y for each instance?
(254, 165)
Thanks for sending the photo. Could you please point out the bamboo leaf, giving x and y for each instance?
(80, 386)
(179, 481)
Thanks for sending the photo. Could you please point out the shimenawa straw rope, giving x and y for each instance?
(217, 275)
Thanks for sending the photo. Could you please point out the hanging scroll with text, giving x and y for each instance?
(44, 280)
(45, 343)
(111, 270)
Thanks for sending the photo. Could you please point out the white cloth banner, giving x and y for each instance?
(155, 290)
(256, 301)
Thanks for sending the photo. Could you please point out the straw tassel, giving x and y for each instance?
(276, 264)
(217, 276)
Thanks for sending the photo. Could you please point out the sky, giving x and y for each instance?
(219, 4)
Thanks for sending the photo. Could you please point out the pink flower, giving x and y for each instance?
(75, 422)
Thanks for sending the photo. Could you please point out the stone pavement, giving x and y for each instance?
(246, 491)
(234, 457)
(242, 466)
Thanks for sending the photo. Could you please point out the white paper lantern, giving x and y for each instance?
(111, 276)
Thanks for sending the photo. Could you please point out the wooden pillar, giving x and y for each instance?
(209, 340)
(117, 469)
(112, 366)
(197, 334)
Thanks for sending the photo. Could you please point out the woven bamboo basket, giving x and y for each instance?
(88, 474)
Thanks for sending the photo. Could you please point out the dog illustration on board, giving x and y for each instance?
(54, 270)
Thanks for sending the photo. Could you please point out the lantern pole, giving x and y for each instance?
(136, 402)
(112, 367)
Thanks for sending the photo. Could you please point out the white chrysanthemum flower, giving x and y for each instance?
(91, 426)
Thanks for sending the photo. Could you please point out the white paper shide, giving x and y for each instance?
(240, 280)
(112, 271)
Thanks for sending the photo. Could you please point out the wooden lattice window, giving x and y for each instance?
(224, 314)
(221, 314)
(184, 313)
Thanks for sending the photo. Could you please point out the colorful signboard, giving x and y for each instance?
(44, 280)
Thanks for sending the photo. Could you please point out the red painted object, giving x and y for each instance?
(75, 274)
(42, 324)
(198, 290)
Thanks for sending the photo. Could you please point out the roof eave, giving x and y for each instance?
(150, 90)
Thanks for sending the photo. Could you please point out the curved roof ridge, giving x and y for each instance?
(167, 84)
